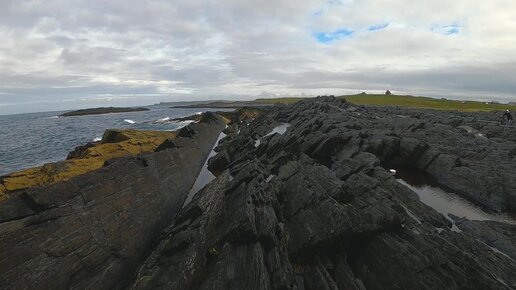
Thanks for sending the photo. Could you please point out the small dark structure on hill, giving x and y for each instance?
(388, 93)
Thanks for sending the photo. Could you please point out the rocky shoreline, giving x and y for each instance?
(315, 209)
(93, 230)
(101, 110)
(85, 158)
(303, 199)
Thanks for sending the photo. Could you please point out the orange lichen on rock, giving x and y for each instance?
(249, 113)
(240, 114)
(114, 144)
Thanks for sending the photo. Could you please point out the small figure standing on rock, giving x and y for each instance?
(509, 116)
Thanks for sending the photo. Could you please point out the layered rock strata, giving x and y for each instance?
(92, 231)
(315, 208)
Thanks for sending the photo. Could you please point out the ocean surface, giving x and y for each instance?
(28, 140)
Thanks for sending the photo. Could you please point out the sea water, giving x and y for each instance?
(28, 140)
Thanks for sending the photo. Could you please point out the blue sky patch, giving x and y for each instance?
(378, 26)
(325, 37)
(450, 29)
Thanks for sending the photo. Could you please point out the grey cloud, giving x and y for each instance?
(78, 49)
(490, 80)
(91, 55)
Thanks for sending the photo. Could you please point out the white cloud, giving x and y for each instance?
(76, 49)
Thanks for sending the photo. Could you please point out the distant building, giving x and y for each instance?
(388, 93)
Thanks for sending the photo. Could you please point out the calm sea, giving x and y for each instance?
(28, 140)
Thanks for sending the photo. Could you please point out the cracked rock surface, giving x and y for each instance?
(315, 208)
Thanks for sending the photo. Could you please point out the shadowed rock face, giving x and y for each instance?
(313, 208)
(93, 230)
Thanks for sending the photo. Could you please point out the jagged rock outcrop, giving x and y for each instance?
(93, 230)
(314, 208)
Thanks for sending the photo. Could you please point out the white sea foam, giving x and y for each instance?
(162, 120)
(186, 122)
(97, 139)
(54, 117)
(129, 121)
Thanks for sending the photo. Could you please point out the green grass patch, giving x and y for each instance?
(425, 103)
(407, 102)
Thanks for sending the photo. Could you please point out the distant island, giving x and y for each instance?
(101, 110)
(239, 104)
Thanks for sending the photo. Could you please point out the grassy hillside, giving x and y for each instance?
(408, 102)
(366, 99)
(425, 103)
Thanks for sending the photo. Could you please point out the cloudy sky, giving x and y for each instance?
(62, 54)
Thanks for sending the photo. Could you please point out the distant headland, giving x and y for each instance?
(101, 110)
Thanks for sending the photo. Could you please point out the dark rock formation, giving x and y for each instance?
(92, 231)
(388, 93)
(219, 162)
(500, 236)
(314, 208)
(101, 110)
(79, 150)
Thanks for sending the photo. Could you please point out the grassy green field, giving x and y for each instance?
(408, 102)
(425, 103)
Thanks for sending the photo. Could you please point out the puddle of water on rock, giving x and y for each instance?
(205, 176)
(280, 129)
(446, 202)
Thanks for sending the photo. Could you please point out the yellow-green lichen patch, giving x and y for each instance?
(115, 144)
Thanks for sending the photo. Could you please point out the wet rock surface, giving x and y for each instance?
(94, 230)
(313, 208)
